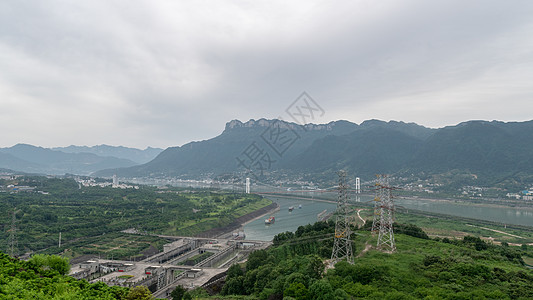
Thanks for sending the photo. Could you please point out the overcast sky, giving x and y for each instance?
(163, 73)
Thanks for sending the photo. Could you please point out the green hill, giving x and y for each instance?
(421, 268)
(37, 280)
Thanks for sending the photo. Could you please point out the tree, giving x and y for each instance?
(178, 292)
(234, 271)
(51, 262)
(60, 264)
(233, 286)
(321, 290)
(296, 277)
(139, 293)
(315, 269)
(197, 293)
(256, 259)
(296, 290)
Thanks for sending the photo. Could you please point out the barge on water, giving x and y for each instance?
(270, 220)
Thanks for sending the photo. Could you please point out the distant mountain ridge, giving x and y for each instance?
(136, 155)
(219, 154)
(32, 159)
(490, 149)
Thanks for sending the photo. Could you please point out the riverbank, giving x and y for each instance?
(490, 203)
(271, 211)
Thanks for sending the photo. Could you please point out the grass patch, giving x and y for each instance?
(528, 260)
(113, 245)
(456, 228)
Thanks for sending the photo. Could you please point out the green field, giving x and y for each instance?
(436, 225)
(90, 218)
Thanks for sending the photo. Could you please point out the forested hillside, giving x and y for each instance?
(43, 277)
(422, 268)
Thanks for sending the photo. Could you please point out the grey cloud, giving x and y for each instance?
(163, 73)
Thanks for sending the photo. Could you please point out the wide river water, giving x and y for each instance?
(290, 221)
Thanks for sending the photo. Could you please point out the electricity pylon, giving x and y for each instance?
(342, 243)
(12, 243)
(378, 210)
(384, 215)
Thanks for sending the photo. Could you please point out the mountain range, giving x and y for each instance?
(73, 159)
(490, 150)
(137, 156)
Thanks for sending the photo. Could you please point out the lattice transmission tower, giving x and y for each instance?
(12, 242)
(384, 214)
(342, 243)
(378, 210)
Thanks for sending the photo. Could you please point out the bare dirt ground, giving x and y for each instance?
(367, 248)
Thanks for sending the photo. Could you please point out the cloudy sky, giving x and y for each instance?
(163, 73)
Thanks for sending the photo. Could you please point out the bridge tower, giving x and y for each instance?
(247, 185)
(342, 243)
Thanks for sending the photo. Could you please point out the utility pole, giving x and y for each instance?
(59, 240)
(384, 215)
(342, 244)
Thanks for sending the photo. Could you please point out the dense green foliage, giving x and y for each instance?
(139, 293)
(178, 293)
(421, 268)
(90, 218)
(40, 279)
(51, 262)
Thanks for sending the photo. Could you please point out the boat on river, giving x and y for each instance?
(270, 220)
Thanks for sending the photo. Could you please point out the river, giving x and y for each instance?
(290, 221)
(285, 220)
